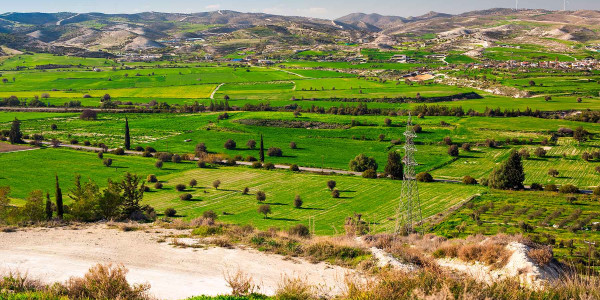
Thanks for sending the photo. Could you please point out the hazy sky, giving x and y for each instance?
(312, 8)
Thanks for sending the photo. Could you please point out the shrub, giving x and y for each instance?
(119, 151)
(151, 178)
(453, 150)
(201, 164)
(417, 128)
(107, 162)
(257, 165)
(250, 158)
(210, 215)
(185, 197)
(273, 151)
(53, 127)
(216, 184)
(542, 256)
(180, 187)
(230, 144)
(447, 140)
(293, 145)
(100, 155)
(469, 180)
(372, 174)
(158, 185)
(261, 196)
(193, 183)
(553, 172)
(335, 193)
(170, 212)
(299, 230)
(298, 201)
(176, 158)
(466, 147)
(536, 187)
(294, 168)
(245, 191)
(88, 114)
(424, 177)
(524, 153)
(251, 144)
(540, 152)
(269, 166)
(158, 164)
(551, 188)
(568, 189)
(105, 282)
(362, 163)
(331, 184)
(264, 209)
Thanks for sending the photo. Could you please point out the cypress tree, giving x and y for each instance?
(509, 175)
(48, 207)
(127, 137)
(262, 149)
(59, 200)
(15, 136)
(394, 167)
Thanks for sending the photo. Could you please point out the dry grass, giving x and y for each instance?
(124, 226)
(105, 282)
(241, 284)
(295, 289)
(541, 256)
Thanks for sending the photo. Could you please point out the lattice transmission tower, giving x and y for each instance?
(409, 210)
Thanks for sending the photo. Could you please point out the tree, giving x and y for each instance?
(388, 122)
(447, 140)
(298, 201)
(170, 212)
(88, 114)
(394, 167)
(34, 209)
(331, 184)
(469, 180)
(107, 162)
(335, 193)
(362, 163)
(127, 136)
(262, 150)
(158, 164)
(274, 151)
(48, 207)
(453, 150)
(466, 147)
(200, 150)
(553, 172)
(15, 136)
(193, 183)
(293, 145)
(132, 188)
(509, 175)
(110, 201)
(294, 168)
(580, 135)
(424, 177)
(524, 153)
(531, 83)
(180, 187)
(216, 184)
(540, 152)
(251, 144)
(209, 214)
(261, 196)
(264, 209)
(59, 200)
(230, 144)
(370, 173)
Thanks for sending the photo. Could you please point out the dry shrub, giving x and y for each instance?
(8, 229)
(202, 222)
(105, 282)
(541, 256)
(211, 158)
(294, 289)
(19, 282)
(241, 284)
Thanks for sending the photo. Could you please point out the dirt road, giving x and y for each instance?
(173, 273)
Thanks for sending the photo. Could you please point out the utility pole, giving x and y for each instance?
(409, 209)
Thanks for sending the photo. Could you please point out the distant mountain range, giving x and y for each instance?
(94, 32)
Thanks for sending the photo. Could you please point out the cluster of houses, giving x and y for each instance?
(585, 64)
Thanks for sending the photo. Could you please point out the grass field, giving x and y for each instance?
(280, 186)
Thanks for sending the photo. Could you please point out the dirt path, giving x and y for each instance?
(173, 273)
(212, 95)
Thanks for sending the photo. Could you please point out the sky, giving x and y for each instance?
(328, 9)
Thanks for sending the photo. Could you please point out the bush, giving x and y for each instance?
(369, 174)
(170, 212)
(417, 128)
(209, 214)
(362, 163)
(230, 144)
(273, 151)
(104, 282)
(453, 150)
(469, 180)
(331, 184)
(88, 114)
(264, 209)
(251, 144)
(180, 187)
(447, 140)
(185, 197)
(269, 166)
(100, 155)
(158, 185)
(298, 201)
(257, 165)
(216, 184)
(176, 158)
(293, 145)
(107, 162)
(536, 187)
(335, 193)
(201, 164)
(540, 152)
(250, 158)
(294, 168)
(158, 164)
(246, 191)
(466, 147)
(551, 188)
(542, 256)
(424, 177)
(53, 127)
(151, 178)
(193, 183)
(568, 189)
(261, 196)
(299, 230)
(553, 172)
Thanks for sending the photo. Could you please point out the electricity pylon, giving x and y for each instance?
(409, 210)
